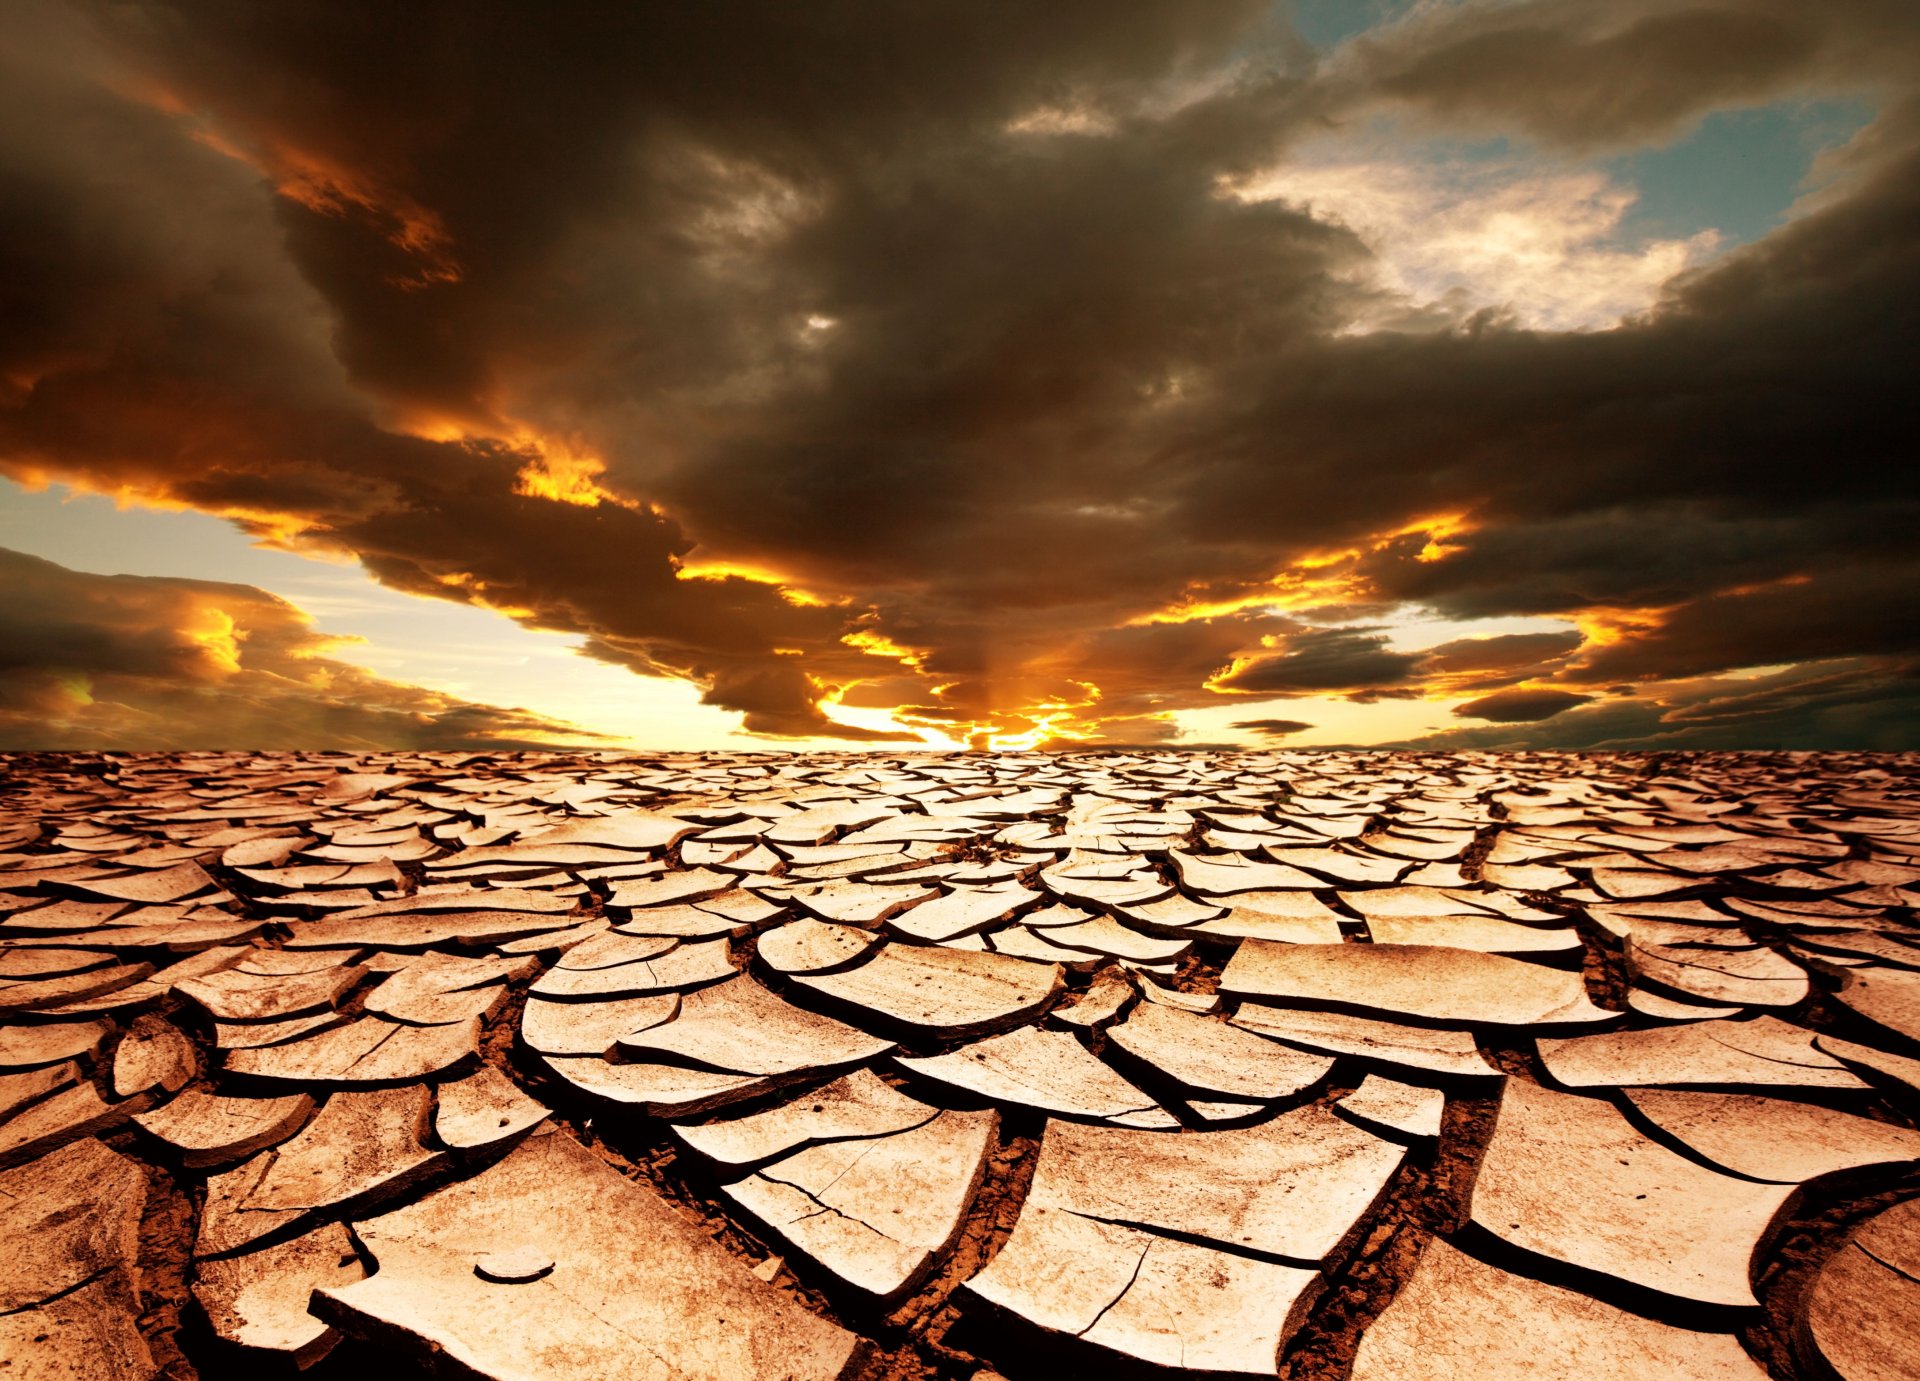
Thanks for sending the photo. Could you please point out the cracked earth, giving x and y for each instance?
(762, 1065)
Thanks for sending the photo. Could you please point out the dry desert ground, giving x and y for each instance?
(729, 1066)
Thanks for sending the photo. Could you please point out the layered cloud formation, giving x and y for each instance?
(144, 663)
(988, 372)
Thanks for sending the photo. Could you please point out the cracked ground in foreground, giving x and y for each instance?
(760, 1065)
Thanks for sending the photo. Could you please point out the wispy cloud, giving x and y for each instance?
(1453, 238)
(146, 662)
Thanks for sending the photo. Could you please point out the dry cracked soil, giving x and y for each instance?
(1305, 1064)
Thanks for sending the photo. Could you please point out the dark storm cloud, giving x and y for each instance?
(177, 355)
(1142, 667)
(1871, 608)
(1322, 661)
(605, 196)
(1272, 728)
(938, 313)
(1853, 703)
(1520, 705)
(768, 696)
(1358, 663)
(1502, 653)
(1584, 75)
(142, 662)
(1470, 664)
(527, 134)
(1740, 451)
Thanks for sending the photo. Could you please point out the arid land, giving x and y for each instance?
(767, 1065)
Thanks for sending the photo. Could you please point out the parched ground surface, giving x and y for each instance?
(756, 1065)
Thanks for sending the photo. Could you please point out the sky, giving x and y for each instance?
(1495, 374)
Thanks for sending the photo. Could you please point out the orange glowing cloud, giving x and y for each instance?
(329, 188)
(1035, 384)
(133, 662)
(562, 473)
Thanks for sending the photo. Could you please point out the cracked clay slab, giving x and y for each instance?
(1158, 1299)
(635, 1288)
(1430, 982)
(1570, 1178)
(938, 991)
(1775, 1139)
(258, 1301)
(739, 1027)
(855, 1106)
(69, 1288)
(213, 1129)
(371, 1050)
(1863, 1311)
(1292, 1187)
(358, 1144)
(1049, 1071)
(1460, 1319)
(1206, 1057)
(1762, 1052)
(876, 1212)
(1388, 1042)
(1163, 1246)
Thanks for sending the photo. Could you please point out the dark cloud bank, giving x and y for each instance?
(145, 662)
(939, 314)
